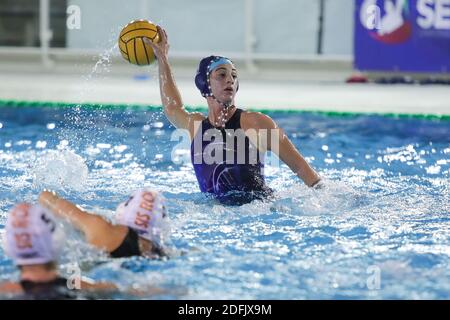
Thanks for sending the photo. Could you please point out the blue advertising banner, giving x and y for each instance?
(402, 35)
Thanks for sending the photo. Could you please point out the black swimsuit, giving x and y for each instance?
(233, 180)
(52, 290)
(130, 247)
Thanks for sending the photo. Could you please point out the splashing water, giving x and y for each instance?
(383, 212)
(77, 117)
(60, 170)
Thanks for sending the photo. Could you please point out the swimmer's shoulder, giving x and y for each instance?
(195, 119)
(197, 116)
(256, 120)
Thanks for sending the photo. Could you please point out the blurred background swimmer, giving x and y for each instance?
(33, 241)
(141, 229)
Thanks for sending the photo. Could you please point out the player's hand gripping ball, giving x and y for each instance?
(132, 45)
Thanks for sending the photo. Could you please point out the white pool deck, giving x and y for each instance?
(294, 87)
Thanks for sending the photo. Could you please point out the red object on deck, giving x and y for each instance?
(357, 78)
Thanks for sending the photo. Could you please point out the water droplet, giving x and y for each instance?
(41, 144)
(158, 125)
(120, 148)
(103, 145)
(23, 142)
(433, 169)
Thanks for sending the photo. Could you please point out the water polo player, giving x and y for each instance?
(33, 240)
(232, 172)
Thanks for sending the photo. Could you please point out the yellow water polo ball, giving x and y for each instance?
(132, 45)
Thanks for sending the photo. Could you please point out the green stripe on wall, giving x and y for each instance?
(96, 106)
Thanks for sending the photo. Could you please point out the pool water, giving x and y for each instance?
(379, 230)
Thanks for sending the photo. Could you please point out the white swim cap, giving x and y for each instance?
(32, 235)
(145, 212)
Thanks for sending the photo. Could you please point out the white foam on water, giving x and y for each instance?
(60, 170)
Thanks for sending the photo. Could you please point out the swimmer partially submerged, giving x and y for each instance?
(142, 222)
(33, 240)
(231, 172)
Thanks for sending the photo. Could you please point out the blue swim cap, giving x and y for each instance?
(205, 67)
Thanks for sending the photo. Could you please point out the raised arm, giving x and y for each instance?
(65, 209)
(278, 142)
(96, 229)
(170, 96)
